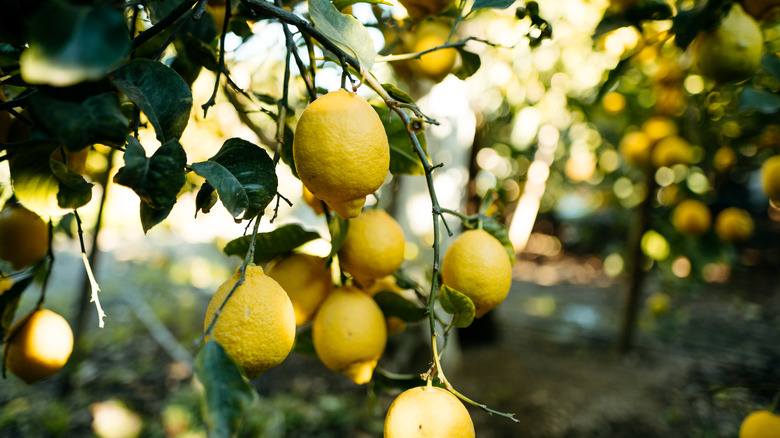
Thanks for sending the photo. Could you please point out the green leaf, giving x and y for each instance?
(459, 305)
(344, 30)
(304, 342)
(156, 180)
(393, 304)
(342, 4)
(770, 62)
(74, 190)
(403, 158)
(338, 228)
(227, 393)
(499, 231)
(205, 199)
(9, 302)
(268, 246)
(752, 99)
(470, 63)
(287, 151)
(397, 94)
(159, 92)
(98, 119)
(243, 175)
(608, 23)
(688, 23)
(492, 4)
(70, 44)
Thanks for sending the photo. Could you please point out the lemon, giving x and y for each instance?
(724, 159)
(39, 345)
(341, 151)
(430, 412)
(388, 284)
(691, 217)
(734, 225)
(659, 127)
(434, 65)
(312, 201)
(374, 247)
(257, 325)
(671, 150)
(24, 236)
(770, 178)
(422, 9)
(760, 424)
(732, 51)
(349, 333)
(635, 147)
(307, 281)
(477, 265)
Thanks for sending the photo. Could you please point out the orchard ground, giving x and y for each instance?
(547, 354)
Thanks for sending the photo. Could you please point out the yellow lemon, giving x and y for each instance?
(428, 412)
(307, 281)
(635, 147)
(349, 333)
(24, 236)
(732, 51)
(734, 225)
(257, 325)
(435, 65)
(374, 247)
(39, 345)
(770, 178)
(671, 150)
(312, 201)
(760, 424)
(477, 265)
(421, 9)
(659, 127)
(341, 151)
(724, 159)
(388, 284)
(691, 217)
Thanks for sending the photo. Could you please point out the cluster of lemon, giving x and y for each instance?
(341, 155)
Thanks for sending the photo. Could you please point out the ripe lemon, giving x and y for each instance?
(307, 281)
(670, 151)
(312, 201)
(421, 9)
(732, 51)
(257, 325)
(24, 236)
(734, 225)
(374, 247)
(770, 178)
(691, 217)
(39, 345)
(434, 65)
(760, 424)
(388, 284)
(477, 265)
(430, 412)
(635, 147)
(349, 333)
(341, 151)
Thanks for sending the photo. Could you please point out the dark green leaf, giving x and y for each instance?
(612, 77)
(287, 152)
(752, 99)
(608, 23)
(98, 119)
(159, 92)
(393, 304)
(227, 393)
(9, 302)
(492, 4)
(199, 52)
(338, 233)
(160, 9)
(243, 175)
(648, 10)
(272, 244)
(205, 199)
(70, 44)
(403, 158)
(397, 94)
(74, 191)
(344, 30)
(156, 180)
(771, 64)
(459, 305)
(499, 231)
(304, 342)
(470, 63)
(687, 24)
